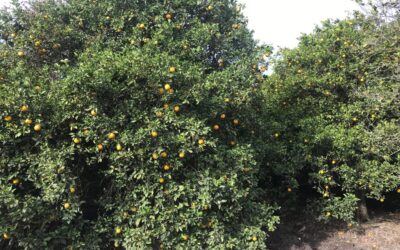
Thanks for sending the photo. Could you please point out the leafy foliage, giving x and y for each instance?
(334, 103)
(130, 124)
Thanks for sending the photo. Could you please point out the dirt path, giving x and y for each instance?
(381, 233)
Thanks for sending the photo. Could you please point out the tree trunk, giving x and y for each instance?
(362, 207)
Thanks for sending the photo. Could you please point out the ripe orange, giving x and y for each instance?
(28, 121)
(37, 127)
(111, 136)
(168, 16)
(67, 205)
(222, 116)
(93, 113)
(154, 134)
(177, 109)
(56, 46)
(232, 142)
(161, 91)
(254, 238)
(21, 53)
(161, 180)
(333, 162)
(154, 156)
(142, 26)
(6, 236)
(185, 237)
(182, 155)
(398, 190)
(118, 147)
(216, 127)
(200, 141)
(15, 181)
(24, 108)
(167, 167)
(118, 230)
(72, 190)
(172, 70)
(159, 114)
(38, 43)
(167, 86)
(276, 135)
(8, 118)
(236, 121)
(289, 190)
(77, 140)
(164, 154)
(100, 147)
(210, 7)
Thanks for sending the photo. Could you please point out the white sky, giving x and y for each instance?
(281, 22)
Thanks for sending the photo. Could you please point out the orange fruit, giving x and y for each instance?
(72, 190)
(77, 140)
(38, 43)
(185, 237)
(172, 70)
(161, 91)
(111, 136)
(163, 154)
(333, 162)
(37, 127)
(200, 141)
(8, 118)
(6, 236)
(118, 230)
(222, 116)
(154, 156)
(168, 16)
(210, 7)
(21, 53)
(167, 86)
(15, 181)
(398, 190)
(154, 134)
(24, 108)
(100, 147)
(159, 114)
(167, 167)
(28, 121)
(161, 180)
(254, 238)
(236, 121)
(118, 147)
(67, 205)
(93, 113)
(177, 109)
(56, 46)
(289, 190)
(182, 155)
(216, 127)
(142, 26)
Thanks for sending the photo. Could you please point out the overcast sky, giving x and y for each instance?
(280, 22)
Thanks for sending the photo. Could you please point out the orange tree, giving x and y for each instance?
(332, 114)
(129, 124)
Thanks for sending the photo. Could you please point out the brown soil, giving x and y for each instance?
(382, 232)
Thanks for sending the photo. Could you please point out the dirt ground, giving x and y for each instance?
(381, 233)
